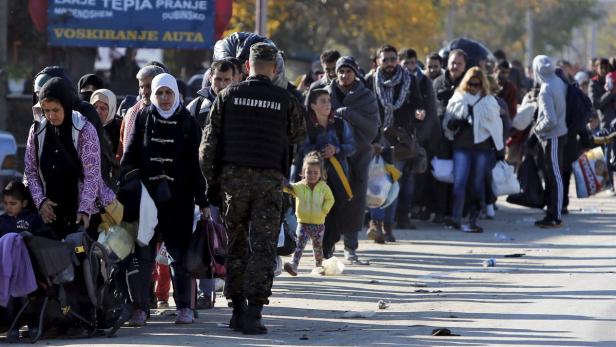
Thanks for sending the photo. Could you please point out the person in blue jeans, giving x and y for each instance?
(472, 121)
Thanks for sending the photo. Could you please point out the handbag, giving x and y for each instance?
(405, 145)
(207, 252)
(112, 214)
(286, 240)
(504, 180)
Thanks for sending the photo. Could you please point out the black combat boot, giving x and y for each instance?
(253, 325)
(239, 308)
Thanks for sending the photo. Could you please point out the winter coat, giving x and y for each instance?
(360, 109)
(311, 204)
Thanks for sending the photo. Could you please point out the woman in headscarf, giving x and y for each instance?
(87, 84)
(62, 162)
(104, 101)
(165, 148)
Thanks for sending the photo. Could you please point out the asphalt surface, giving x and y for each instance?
(559, 291)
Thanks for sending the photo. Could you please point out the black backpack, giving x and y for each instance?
(579, 109)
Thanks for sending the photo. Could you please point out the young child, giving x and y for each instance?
(18, 217)
(314, 199)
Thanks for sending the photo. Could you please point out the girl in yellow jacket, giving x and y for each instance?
(313, 199)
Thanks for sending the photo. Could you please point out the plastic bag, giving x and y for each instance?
(591, 173)
(333, 266)
(117, 240)
(525, 115)
(379, 183)
(504, 180)
(442, 169)
(162, 257)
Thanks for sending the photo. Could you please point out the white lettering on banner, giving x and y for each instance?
(257, 103)
(128, 5)
(182, 5)
(76, 2)
(83, 13)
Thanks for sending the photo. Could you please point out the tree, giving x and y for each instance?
(501, 24)
(306, 27)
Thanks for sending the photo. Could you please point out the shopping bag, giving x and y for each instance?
(442, 169)
(379, 183)
(591, 173)
(504, 180)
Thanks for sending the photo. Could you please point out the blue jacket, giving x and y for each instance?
(24, 221)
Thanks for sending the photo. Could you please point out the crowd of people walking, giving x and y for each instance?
(250, 141)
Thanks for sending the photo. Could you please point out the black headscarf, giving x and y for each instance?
(88, 79)
(61, 136)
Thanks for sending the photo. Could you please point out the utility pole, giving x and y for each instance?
(530, 36)
(261, 18)
(4, 9)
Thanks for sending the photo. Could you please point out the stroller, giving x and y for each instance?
(80, 291)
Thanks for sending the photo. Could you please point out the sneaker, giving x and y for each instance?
(549, 223)
(204, 303)
(490, 213)
(138, 319)
(319, 270)
(291, 268)
(162, 304)
(185, 316)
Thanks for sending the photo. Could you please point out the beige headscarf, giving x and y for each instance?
(108, 97)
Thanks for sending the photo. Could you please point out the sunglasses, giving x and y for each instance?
(476, 85)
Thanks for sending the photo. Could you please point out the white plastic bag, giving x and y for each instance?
(442, 170)
(162, 257)
(524, 116)
(333, 267)
(379, 183)
(504, 180)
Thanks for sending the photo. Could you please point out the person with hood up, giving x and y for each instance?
(355, 103)
(87, 84)
(551, 130)
(108, 164)
(62, 162)
(104, 101)
(165, 148)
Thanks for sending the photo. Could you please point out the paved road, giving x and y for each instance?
(560, 293)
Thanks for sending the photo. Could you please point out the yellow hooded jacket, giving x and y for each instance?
(311, 205)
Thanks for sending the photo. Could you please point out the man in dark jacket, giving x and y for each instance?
(221, 75)
(444, 87)
(400, 105)
(428, 134)
(328, 62)
(244, 158)
(356, 104)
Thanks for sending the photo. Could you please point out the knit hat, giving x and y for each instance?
(347, 61)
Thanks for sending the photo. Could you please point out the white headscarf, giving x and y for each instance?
(165, 80)
(108, 97)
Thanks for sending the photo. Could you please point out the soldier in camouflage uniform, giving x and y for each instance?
(244, 156)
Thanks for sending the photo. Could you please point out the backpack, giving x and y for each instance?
(579, 109)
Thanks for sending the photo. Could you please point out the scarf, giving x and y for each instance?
(165, 80)
(385, 92)
(109, 98)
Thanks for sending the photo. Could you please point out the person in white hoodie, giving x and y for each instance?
(551, 130)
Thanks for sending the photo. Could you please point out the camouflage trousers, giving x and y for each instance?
(252, 205)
